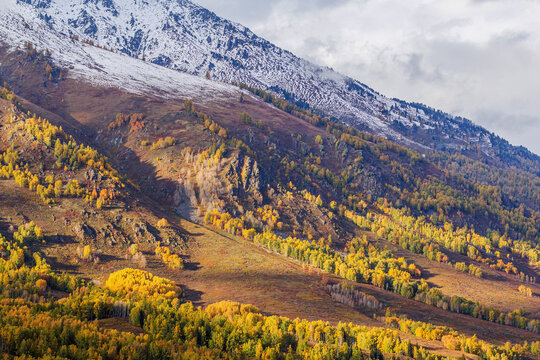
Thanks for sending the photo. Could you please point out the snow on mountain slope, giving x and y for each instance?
(181, 35)
(106, 68)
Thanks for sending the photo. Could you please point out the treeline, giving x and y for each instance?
(52, 72)
(352, 297)
(247, 119)
(516, 184)
(34, 325)
(353, 137)
(423, 194)
(217, 129)
(10, 168)
(49, 188)
(452, 340)
(366, 264)
(460, 240)
(69, 156)
(477, 200)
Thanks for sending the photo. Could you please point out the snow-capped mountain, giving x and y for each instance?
(180, 35)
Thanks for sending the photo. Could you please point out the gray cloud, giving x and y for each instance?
(516, 128)
(246, 12)
(510, 38)
(475, 58)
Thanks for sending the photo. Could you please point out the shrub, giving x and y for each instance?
(162, 223)
(132, 281)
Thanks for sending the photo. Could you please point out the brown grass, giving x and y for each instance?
(220, 266)
(495, 288)
(223, 267)
(120, 325)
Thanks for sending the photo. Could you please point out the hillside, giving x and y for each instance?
(214, 263)
(184, 36)
(149, 213)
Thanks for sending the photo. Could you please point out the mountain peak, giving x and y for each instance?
(183, 36)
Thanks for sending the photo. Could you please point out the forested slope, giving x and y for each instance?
(288, 203)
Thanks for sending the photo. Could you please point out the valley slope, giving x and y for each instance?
(251, 198)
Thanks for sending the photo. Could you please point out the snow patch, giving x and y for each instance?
(108, 69)
(180, 35)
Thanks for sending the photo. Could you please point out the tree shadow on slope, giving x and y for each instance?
(192, 295)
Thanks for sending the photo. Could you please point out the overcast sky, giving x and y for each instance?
(475, 58)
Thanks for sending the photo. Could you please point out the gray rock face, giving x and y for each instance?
(83, 231)
(245, 176)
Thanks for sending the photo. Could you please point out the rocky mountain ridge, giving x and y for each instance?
(181, 35)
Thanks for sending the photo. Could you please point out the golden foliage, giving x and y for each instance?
(172, 261)
(162, 223)
(133, 281)
(163, 143)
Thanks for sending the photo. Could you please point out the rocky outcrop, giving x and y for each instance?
(83, 231)
(246, 177)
